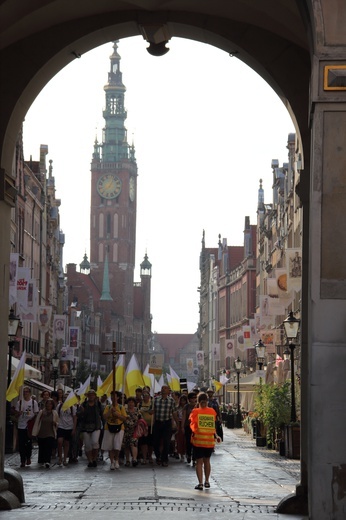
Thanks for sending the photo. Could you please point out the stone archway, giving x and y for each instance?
(290, 47)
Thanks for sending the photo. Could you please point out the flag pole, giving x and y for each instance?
(113, 353)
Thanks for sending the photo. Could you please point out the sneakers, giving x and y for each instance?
(47, 465)
(116, 465)
(112, 466)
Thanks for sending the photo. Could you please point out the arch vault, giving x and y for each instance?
(299, 48)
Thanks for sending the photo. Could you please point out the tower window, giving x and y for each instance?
(108, 225)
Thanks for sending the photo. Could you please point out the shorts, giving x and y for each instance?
(91, 440)
(65, 434)
(112, 441)
(202, 453)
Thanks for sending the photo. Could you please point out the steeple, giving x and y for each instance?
(115, 147)
(260, 205)
(106, 295)
(85, 264)
(146, 267)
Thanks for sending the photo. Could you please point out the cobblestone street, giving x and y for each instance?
(246, 481)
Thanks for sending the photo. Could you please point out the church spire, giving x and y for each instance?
(106, 295)
(115, 147)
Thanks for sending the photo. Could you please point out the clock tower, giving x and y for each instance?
(113, 206)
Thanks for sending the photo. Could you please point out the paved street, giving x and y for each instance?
(246, 481)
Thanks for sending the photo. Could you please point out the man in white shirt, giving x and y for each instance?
(26, 410)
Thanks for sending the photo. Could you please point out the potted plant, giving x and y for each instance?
(273, 405)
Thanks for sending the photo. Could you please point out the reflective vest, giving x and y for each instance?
(202, 423)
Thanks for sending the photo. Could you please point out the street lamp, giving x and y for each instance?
(238, 366)
(291, 325)
(260, 352)
(73, 374)
(55, 364)
(13, 324)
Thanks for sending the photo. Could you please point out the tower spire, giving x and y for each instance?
(115, 146)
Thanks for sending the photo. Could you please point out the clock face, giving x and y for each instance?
(109, 186)
(132, 189)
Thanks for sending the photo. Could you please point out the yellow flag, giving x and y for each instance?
(83, 389)
(106, 386)
(69, 401)
(149, 379)
(120, 373)
(133, 377)
(218, 385)
(175, 381)
(17, 380)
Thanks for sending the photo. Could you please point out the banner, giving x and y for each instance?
(247, 337)
(189, 366)
(230, 348)
(266, 319)
(59, 327)
(215, 349)
(44, 317)
(64, 367)
(28, 310)
(156, 364)
(73, 334)
(294, 269)
(200, 358)
(240, 341)
(268, 338)
(26, 295)
(254, 334)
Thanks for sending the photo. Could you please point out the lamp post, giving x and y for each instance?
(73, 374)
(238, 365)
(260, 352)
(13, 324)
(291, 325)
(55, 364)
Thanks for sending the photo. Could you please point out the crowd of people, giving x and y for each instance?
(140, 429)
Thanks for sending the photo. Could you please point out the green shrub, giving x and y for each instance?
(273, 405)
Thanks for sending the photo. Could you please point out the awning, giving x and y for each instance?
(38, 385)
(29, 373)
(246, 384)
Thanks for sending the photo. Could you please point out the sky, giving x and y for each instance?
(205, 128)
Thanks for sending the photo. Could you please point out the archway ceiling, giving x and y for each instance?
(39, 38)
(22, 19)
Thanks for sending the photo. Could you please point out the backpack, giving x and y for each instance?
(141, 429)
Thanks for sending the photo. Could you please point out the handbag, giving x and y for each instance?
(141, 429)
(114, 428)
